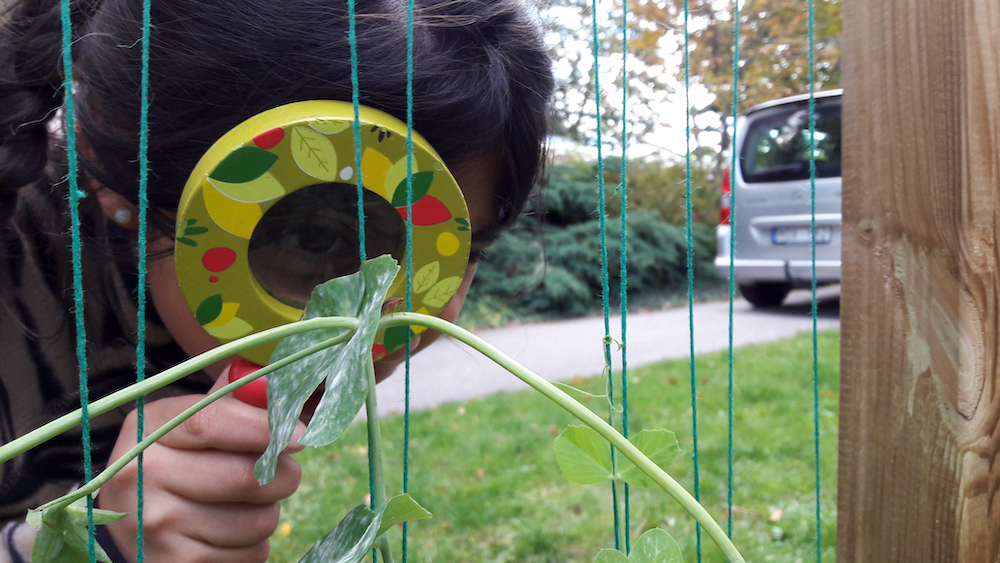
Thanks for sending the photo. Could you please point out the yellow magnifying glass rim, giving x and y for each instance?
(278, 152)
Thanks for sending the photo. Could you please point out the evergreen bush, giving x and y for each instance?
(549, 264)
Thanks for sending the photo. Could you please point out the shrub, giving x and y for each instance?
(549, 264)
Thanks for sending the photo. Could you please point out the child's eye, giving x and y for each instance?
(311, 237)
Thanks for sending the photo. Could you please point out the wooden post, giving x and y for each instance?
(919, 470)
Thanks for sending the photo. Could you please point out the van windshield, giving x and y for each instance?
(776, 148)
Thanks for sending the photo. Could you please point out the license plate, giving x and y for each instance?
(801, 235)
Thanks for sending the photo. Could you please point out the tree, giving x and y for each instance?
(570, 28)
(774, 51)
(774, 57)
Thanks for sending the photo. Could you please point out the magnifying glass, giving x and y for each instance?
(272, 210)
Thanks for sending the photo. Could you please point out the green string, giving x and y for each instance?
(362, 252)
(605, 286)
(690, 266)
(624, 256)
(409, 256)
(352, 33)
(815, 312)
(74, 200)
(732, 248)
(140, 351)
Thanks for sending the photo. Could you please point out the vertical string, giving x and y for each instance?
(77, 252)
(623, 267)
(352, 35)
(352, 39)
(140, 351)
(812, 203)
(605, 291)
(732, 250)
(689, 236)
(409, 255)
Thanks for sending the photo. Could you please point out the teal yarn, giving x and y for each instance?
(814, 310)
(75, 195)
(689, 237)
(356, 102)
(362, 252)
(624, 256)
(409, 258)
(140, 351)
(732, 249)
(605, 285)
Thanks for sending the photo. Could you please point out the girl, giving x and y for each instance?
(481, 83)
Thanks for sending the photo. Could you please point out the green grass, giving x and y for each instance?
(486, 470)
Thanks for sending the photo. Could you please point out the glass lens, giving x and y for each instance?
(312, 236)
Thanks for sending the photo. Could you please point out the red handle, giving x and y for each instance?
(253, 393)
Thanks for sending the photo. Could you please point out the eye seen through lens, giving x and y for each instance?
(311, 236)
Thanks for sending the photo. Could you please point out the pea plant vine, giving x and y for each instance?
(332, 344)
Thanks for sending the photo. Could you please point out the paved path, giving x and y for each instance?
(449, 371)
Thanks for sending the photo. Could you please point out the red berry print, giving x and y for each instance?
(269, 139)
(428, 211)
(218, 259)
(213, 279)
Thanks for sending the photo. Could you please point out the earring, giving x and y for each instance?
(123, 216)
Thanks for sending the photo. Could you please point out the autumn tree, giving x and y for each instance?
(773, 52)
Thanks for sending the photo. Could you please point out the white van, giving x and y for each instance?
(769, 206)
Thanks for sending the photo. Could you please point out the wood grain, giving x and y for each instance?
(919, 478)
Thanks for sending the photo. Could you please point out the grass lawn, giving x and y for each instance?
(486, 470)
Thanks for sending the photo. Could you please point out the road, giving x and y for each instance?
(449, 371)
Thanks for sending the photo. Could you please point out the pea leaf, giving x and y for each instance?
(63, 533)
(584, 456)
(656, 546)
(350, 541)
(660, 446)
(610, 556)
(358, 295)
(401, 508)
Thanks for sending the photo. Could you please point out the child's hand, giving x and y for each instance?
(202, 502)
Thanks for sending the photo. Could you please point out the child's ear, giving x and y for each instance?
(118, 209)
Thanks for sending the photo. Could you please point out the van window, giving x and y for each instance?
(776, 148)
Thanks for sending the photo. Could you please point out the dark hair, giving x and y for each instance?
(482, 80)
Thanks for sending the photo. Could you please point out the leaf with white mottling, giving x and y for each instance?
(350, 541)
(358, 295)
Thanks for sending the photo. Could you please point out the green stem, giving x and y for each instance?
(134, 391)
(94, 484)
(375, 455)
(659, 476)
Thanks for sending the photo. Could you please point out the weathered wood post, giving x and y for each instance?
(920, 358)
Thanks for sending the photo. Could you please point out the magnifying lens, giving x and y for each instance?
(272, 210)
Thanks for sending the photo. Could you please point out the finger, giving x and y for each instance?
(227, 424)
(174, 547)
(209, 476)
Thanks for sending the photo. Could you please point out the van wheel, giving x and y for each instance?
(765, 295)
